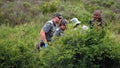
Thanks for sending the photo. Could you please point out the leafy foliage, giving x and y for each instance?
(74, 49)
(93, 49)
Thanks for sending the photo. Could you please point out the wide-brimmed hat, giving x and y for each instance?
(75, 20)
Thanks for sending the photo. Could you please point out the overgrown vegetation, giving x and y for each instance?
(91, 49)
(21, 21)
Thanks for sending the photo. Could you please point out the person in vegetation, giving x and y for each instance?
(76, 21)
(59, 31)
(48, 29)
(97, 22)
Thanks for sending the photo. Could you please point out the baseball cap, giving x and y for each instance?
(59, 15)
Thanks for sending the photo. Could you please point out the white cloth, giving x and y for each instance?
(75, 20)
(84, 27)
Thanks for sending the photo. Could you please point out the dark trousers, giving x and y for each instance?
(42, 44)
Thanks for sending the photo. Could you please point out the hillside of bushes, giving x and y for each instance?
(22, 20)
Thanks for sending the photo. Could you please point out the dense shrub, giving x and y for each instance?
(108, 4)
(17, 12)
(109, 15)
(74, 49)
(115, 8)
(93, 49)
(91, 5)
(49, 7)
(17, 47)
(15, 55)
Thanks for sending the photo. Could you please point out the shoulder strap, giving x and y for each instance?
(50, 22)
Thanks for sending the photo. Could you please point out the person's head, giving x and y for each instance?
(97, 14)
(76, 21)
(57, 18)
(63, 24)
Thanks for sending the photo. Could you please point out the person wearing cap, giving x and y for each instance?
(59, 31)
(76, 21)
(48, 29)
(97, 21)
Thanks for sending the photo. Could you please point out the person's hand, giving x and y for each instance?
(46, 45)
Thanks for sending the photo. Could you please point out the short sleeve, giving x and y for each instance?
(47, 27)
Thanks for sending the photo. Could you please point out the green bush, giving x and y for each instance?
(91, 5)
(49, 7)
(84, 16)
(74, 49)
(93, 49)
(16, 13)
(108, 4)
(17, 47)
(108, 15)
(26, 4)
(12, 55)
(115, 8)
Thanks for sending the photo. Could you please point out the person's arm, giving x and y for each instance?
(43, 36)
(43, 32)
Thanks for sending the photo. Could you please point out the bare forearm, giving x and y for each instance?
(43, 36)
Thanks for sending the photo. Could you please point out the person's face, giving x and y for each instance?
(63, 27)
(57, 20)
(96, 16)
